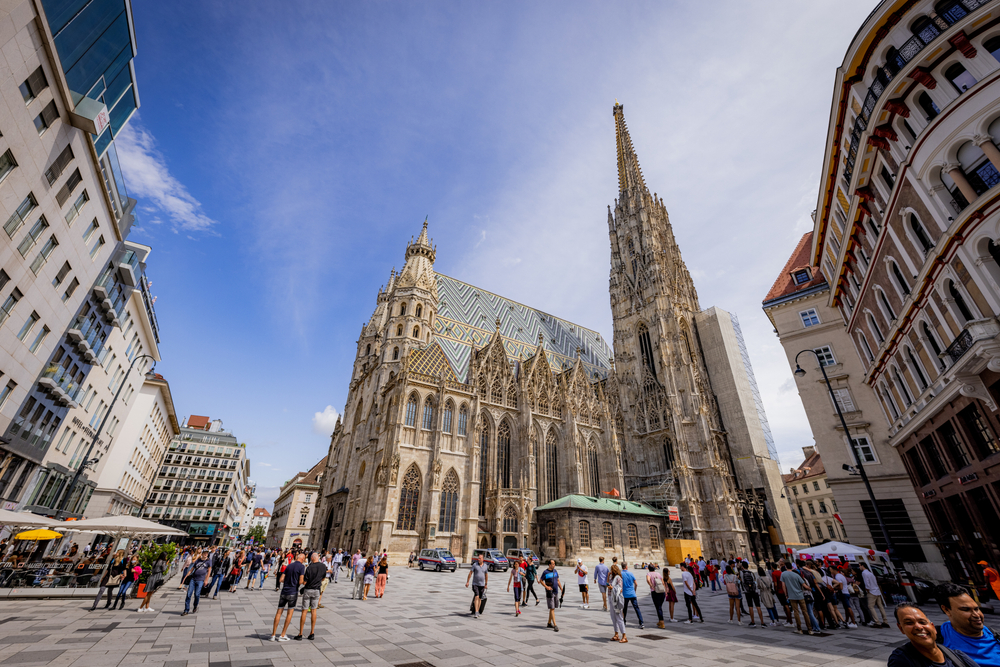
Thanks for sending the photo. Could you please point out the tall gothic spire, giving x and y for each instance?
(629, 173)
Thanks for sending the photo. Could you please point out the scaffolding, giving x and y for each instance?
(659, 491)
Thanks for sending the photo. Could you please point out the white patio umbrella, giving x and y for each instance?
(26, 519)
(123, 524)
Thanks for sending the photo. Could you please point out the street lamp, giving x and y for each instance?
(87, 461)
(799, 372)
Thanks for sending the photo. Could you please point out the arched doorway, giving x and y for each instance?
(509, 542)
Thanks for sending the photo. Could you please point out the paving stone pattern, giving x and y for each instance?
(422, 621)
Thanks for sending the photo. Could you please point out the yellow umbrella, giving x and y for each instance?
(38, 534)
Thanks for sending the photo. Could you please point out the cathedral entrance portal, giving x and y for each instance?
(509, 542)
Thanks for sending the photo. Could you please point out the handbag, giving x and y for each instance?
(114, 580)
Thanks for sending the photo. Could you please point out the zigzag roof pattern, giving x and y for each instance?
(467, 316)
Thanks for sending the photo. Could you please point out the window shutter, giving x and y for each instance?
(63, 194)
(62, 272)
(61, 162)
(50, 114)
(37, 82)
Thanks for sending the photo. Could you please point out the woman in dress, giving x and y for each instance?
(382, 577)
(617, 607)
(657, 591)
(154, 582)
(765, 588)
(732, 585)
(671, 593)
(369, 576)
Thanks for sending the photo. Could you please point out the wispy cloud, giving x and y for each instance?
(324, 422)
(149, 179)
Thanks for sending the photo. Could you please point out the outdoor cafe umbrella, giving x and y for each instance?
(38, 534)
(26, 519)
(122, 524)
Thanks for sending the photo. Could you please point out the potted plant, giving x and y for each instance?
(147, 556)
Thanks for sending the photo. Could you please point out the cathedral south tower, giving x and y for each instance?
(677, 452)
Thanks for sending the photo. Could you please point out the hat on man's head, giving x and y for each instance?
(579, 560)
(982, 562)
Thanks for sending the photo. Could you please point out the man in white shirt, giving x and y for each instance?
(338, 560)
(690, 594)
(581, 579)
(844, 595)
(874, 596)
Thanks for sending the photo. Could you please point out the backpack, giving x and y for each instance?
(658, 586)
(731, 588)
(749, 581)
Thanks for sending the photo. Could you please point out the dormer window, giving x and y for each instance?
(801, 276)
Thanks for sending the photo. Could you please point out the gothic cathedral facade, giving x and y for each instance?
(467, 410)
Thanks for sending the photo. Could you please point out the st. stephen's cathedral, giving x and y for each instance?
(467, 410)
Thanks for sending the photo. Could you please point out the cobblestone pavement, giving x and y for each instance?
(422, 620)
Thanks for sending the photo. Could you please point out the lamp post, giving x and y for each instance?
(799, 372)
(87, 461)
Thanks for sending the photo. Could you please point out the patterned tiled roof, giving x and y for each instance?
(467, 316)
(432, 360)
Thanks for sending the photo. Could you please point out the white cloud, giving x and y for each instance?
(149, 178)
(324, 422)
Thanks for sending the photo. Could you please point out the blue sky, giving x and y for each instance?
(284, 153)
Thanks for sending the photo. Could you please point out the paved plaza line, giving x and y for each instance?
(422, 618)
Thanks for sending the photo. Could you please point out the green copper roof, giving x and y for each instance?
(582, 502)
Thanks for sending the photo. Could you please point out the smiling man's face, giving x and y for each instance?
(917, 627)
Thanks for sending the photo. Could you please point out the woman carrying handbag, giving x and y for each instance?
(110, 580)
(616, 597)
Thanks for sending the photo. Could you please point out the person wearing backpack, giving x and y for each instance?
(657, 591)
(749, 583)
(731, 582)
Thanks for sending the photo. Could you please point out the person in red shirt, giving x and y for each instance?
(992, 578)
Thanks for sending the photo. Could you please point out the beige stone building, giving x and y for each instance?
(812, 501)
(798, 307)
(467, 410)
(291, 521)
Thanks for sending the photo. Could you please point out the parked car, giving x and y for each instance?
(493, 558)
(527, 554)
(438, 559)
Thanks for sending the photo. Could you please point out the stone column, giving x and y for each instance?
(985, 142)
(957, 175)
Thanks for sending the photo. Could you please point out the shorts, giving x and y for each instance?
(288, 600)
(604, 589)
(369, 578)
(782, 598)
(310, 598)
(517, 593)
(584, 588)
(322, 586)
(753, 599)
(845, 599)
(552, 599)
(478, 591)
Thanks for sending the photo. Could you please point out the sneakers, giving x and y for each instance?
(283, 638)
(642, 627)
(852, 626)
(140, 610)
(556, 628)
(548, 625)
(730, 621)
(688, 622)
(753, 624)
(674, 620)
(298, 638)
(475, 614)
(311, 637)
(273, 638)
(586, 606)
(184, 613)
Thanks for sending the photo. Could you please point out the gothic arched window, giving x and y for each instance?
(484, 458)
(411, 411)
(551, 467)
(428, 414)
(496, 392)
(668, 454)
(448, 409)
(593, 472)
(395, 353)
(963, 308)
(543, 403)
(449, 503)
(416, 332)
(654, 538)
(409, 500)
(511, 394)
(399, 330)
(420, 309)
(368, 349)
(646, 349)
(402, 309)
(509, 520)
(633, 536)
(463, 420)
(503, 456)
(482, 388)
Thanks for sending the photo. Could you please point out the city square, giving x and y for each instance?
(422, 620)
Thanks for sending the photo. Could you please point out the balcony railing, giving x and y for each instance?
(147, 300)
(906, 53)
(58, 382)
(974, 331)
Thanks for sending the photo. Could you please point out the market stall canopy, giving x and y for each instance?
(835, 549)
(123, 524)
(26, 519)
(38, 534)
